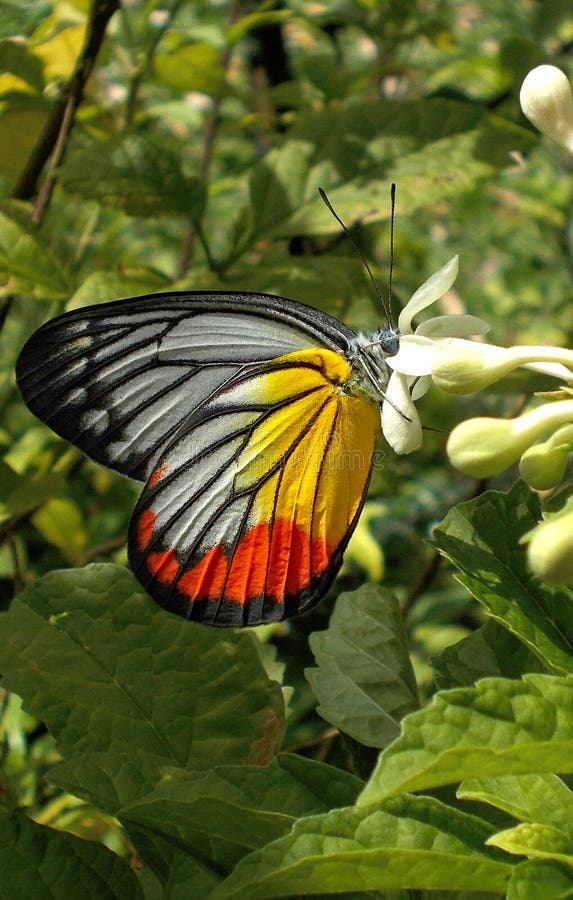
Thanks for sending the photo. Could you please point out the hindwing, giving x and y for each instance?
(245, 518)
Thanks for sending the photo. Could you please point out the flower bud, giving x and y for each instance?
(464, 367)
(482, 447)
(550, 549)
(543, 465)
(547, 102)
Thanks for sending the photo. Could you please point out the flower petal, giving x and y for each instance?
(432, 289)
(420, 387)
(415, 356)
(464, 367)
(557, 370)
(452, 326)
(400, 422)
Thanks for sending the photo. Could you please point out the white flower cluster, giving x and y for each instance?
(439, 351)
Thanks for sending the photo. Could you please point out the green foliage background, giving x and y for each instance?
(172, 760)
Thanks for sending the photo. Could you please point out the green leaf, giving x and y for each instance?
(536, 841)
(364, 680)
(26, 263)
(223, 814)
(260, 19)
(409, 843)
(20, 495)
(59, 521)
(491, 650)
(534, 879)
(499, 727)
(529, 798)
(101, 287)
(482, 539)
(21, 121)
(186, 876)
(110, 673)
(193, 67)
(136, 174)
(433, 148)
(15, 57)
(36, 861)
(329, 283)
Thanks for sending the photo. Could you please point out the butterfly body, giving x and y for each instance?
(252, 421)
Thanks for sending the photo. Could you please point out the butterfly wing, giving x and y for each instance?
(247, 514)
(235, 409)
(119, 379)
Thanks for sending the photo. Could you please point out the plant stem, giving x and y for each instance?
(53, 141)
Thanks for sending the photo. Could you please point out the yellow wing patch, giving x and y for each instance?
(300, 475)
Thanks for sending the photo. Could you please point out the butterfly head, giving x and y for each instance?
(388, 340)
(368, 357)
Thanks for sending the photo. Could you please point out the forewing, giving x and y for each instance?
(247, 513)
(119, 380)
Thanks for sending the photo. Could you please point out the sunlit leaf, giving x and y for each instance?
(193, 67)
(534, 879)
(535, 841)
(483, 539)
(409, 843)
(545, 799)
(60, 522)
(499, 727)
(356, 152)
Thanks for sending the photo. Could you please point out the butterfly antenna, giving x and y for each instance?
(392, 211)
(377, 290)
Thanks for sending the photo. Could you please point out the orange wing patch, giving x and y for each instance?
(274, 496)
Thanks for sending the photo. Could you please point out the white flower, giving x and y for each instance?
(412, 365)
(547, 102)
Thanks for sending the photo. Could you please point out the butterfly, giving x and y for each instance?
(250, 418)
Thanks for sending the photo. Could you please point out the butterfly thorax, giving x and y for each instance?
(369, 352)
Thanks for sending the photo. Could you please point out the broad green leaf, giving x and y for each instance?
(529, 798)
(480, 77)
(21, 121)
(491, 650)
(10, 481)
(16, 58)
(101, 287)
(61, 51)
(535, 879)
(111, 673)
(482, 539)
(193, 67)
(535, 841)
(20, 495)
(409, 843)
(140, 176)
(26, 263)
(499, 727)
(325, 282)
(59, 521)
(434, 149)
(36, 861)
(227, 812)
(364, 681)
(185, 875)
(255, 20)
